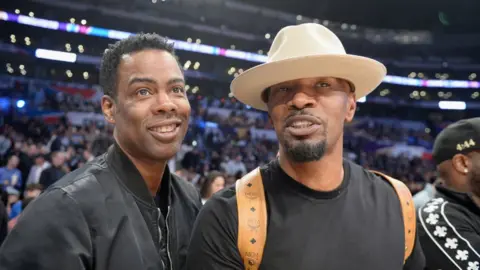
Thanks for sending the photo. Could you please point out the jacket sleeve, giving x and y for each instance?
(214, 241)
(51, 233)
(449, 238)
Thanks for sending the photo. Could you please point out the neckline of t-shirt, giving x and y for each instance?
(304, 191)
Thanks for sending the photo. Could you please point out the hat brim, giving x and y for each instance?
(364, 73)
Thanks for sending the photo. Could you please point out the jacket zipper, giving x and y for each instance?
(168, 248)
(159, 234)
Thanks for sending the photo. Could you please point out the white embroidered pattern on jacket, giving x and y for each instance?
(445, 236)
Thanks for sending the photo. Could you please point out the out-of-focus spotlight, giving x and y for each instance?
(20, 103)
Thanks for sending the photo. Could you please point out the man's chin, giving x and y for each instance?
(304, 151)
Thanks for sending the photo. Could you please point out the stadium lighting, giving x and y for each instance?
(214, 50)
(83, 22)
(232, 47)
(72, 20)
(31, 14)
(56, 55)
(196, 65)
(187, 64)
(299, 17)
(198, 41)
(17, 11)
(20, 103)
(267, 35)
(452, 105)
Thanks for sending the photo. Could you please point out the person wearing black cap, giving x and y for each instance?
(449, 224)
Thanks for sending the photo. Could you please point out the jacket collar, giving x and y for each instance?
(126, 171)
(460, 198)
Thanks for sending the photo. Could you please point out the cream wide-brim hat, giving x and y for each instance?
(306, 51)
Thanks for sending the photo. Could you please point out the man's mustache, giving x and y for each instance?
(304, 112)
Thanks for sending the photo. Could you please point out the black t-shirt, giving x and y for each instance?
(357, 226)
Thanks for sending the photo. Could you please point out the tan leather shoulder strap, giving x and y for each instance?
(408, 211)
(252, 219)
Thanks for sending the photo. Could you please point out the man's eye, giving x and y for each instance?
(283, 89)
(323, 84)
(143, 92)
(178, 89)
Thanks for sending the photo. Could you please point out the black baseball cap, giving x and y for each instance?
(458, 138)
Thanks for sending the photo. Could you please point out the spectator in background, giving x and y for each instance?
(214, 182)
(3, 222)
(10, 175)
(13, 198)
(100, 144)
(40, 165)
(235, 165)
(87, 155)
(449, 224)
(55, 172)
(16, 206)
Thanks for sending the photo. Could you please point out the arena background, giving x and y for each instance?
(50, 54)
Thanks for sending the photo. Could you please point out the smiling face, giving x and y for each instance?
(309, 114)
(151, 112)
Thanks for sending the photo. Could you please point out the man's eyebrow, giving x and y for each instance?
(175, 80)
(141, 80)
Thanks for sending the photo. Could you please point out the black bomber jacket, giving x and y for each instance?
(102, 216)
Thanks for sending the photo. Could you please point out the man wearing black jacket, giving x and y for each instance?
(449, 224)
(124, 210)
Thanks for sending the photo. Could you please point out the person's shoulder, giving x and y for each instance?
(85, 181)
(438, 214)
(366, 176)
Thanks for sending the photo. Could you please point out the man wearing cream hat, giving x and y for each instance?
(308, 209)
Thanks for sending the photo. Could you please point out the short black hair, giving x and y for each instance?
(134, 43)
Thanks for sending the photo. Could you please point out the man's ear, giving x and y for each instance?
(461, 163)
(351, 108)
(108, 109)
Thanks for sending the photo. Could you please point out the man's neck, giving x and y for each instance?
(151, 171)
(325, 174)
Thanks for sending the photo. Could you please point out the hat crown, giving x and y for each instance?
(304, 40)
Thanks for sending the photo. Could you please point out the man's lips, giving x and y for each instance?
(165, 125)
(302, 125)
(302, 120)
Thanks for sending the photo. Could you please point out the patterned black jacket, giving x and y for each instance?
(449, 230)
